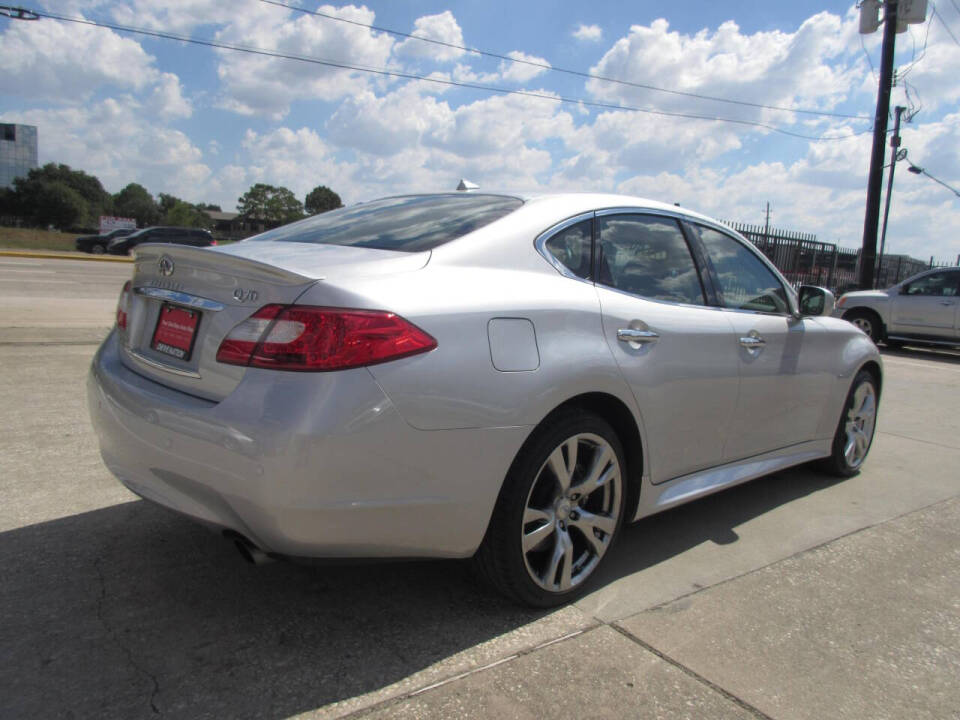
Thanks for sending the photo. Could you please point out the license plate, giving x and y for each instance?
(176, 331)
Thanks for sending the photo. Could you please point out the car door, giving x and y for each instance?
(675, 352)
(786, 363)
(926, 306)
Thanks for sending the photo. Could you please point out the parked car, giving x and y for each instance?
(198, 237)
(472, 375)
(921, 310)
(97, 244)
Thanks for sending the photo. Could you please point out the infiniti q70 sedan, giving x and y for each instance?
(472, 375)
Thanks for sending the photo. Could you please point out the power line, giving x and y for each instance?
(945, 26)
(578, 73)
(440, 81)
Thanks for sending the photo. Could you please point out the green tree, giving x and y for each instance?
(135, 202)
(183, 214)
(321, 199)
(27, 191)
(63, 207)
(269, 204)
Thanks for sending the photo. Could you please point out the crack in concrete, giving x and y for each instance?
(743, 704)
(126, 650)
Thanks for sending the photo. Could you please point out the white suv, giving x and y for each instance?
(923, 309)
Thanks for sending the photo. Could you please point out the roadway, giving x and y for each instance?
(795, 596)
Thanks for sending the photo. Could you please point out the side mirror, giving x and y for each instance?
(816, 301)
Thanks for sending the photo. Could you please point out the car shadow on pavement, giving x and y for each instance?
(130, 611)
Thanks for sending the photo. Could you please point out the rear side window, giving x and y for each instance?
(572, 247)
(647, 255)
(410, 224)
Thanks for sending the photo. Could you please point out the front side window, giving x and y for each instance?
(745, 283)
(409, 224)
(572, 248)
(941, 284)
(647, 255)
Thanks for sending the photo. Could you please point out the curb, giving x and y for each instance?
(64, 256)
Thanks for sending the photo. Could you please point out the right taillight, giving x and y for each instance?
(308, 338)
(123, 303)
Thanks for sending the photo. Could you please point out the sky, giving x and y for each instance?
(205, 123)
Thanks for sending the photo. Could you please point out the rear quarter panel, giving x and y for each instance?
(456, 385)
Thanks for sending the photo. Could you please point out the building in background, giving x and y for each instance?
(18, 152)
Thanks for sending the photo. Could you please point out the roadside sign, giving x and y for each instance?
(108, 223)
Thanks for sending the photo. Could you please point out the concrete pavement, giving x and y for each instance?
(792, 596)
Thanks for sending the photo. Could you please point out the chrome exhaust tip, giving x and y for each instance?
(248, 551)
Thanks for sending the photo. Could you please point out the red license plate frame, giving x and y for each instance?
(176, 331)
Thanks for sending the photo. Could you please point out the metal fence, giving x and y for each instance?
(801, 257)
(806, 261)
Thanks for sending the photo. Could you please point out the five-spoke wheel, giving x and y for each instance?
(558, 512)
(851, 443)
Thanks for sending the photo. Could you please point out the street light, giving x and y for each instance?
(920, 171)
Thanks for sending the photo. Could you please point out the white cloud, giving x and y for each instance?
(119, 141)
(258, 85)
(522, 71)
(588, 33)
(167, 98)
(814, 66)
(66, 62)
(442, 27)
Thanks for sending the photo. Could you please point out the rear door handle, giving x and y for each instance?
(642, 337)
(753, 342)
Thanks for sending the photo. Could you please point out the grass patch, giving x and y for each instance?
(35, 239)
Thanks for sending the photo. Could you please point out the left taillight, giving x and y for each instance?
(318, 339)
(122, 306)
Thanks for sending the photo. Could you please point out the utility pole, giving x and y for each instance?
(895, 152)
(868, 256)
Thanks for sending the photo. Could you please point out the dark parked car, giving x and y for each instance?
(179, 235)
(98, 244)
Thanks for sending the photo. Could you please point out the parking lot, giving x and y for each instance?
(794, 596)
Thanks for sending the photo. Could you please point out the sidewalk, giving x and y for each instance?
(866, 626)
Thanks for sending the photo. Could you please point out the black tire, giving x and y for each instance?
(501, 558)
(868, 322)
(839, 463)
(97, 249)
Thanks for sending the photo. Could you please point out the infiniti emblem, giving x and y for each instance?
(165, 266)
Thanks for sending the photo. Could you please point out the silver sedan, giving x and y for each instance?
(472, 375)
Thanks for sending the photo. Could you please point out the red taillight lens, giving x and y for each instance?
(122, 305)
(213, 242)
(306, 338)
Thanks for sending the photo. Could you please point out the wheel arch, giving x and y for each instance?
(873, 367)
(864, 310)
(618, 414)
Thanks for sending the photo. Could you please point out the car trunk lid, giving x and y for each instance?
(184, 300)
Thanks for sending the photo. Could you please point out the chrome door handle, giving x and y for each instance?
(947, 302)
(630, 335)
(752, 343)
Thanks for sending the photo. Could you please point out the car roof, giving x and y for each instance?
(578, 202)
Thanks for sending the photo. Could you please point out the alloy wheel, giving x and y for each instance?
(861, 418)
(571, 512)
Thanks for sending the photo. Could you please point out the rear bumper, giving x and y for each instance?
(303, 464)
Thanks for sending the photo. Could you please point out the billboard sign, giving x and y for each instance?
(109, 223)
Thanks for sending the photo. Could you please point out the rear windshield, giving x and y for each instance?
(410, 224)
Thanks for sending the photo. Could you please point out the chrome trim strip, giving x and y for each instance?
(137, 357)
(179, 298)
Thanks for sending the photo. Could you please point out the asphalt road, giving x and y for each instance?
(795, 596)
